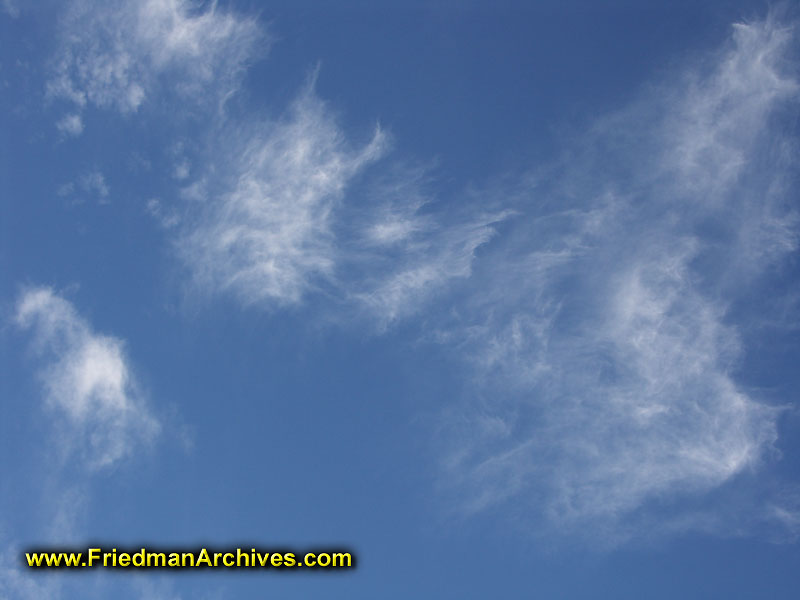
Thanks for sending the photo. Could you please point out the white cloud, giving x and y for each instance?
(400, 248)
(602, 329)
(119, 54)
(720, 115)
(599, 323)
(94, 182)
(412, 258)
(71, 125)
(87, 382)
(167, 219)
(91, 183)
(181, 170)
(279, 220)
(267, 236)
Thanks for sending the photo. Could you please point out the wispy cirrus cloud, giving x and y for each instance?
(600, 321)
(610, 357)
(403, 257)
(121, 54)
(268, 219)
(280, 221)
(266, 227)
(87, 381)
(723, 108)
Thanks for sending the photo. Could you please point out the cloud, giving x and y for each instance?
(10, 8)
(606, 328)
(94, 181)
(406, 258)
(90, 183)
(299, 210)
(66, 189)
(266, 232)
(721, 114)
(71, 125)
(181, 170)
(166, 219)
(121, 54)
(87, 381)
(16, 584)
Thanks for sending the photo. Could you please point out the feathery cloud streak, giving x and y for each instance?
(276, 223)
(266, 232)
(610, 350)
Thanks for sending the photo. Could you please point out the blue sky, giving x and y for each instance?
(501, 296)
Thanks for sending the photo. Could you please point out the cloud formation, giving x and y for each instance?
(601, 322)
(288, 215)
(92, 183)
(403, 257)
(602, 325)
(266, 230)
(87, 381)
(120, 54)
(71, 125)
